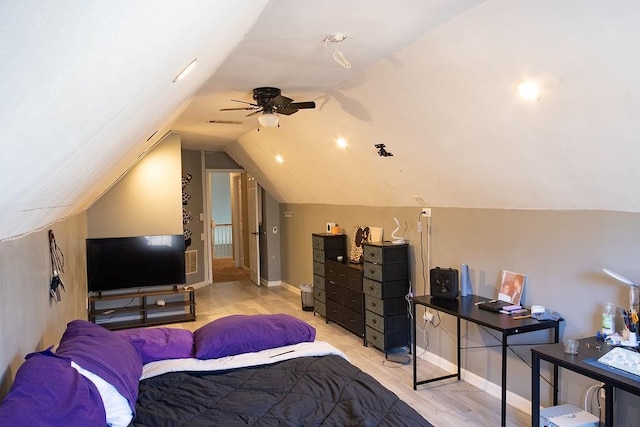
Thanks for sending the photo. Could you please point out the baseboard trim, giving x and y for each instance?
(270, 284)
(475, 380)
(199, 285)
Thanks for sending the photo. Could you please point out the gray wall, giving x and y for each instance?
(192, 164)
(270, 257)
(561, 252)
(29, 320)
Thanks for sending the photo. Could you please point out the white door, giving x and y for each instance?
(253, 217)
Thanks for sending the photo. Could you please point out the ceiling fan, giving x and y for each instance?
(270, 102)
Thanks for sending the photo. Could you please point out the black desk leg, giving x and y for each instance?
(535, 390)
(413, 344)
(503, 409)
(459, 334)
(608, 405)
(556, 339)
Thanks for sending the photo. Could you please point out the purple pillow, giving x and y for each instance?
(160, 343)
(103, 353)
(47, 391)
(244, 334)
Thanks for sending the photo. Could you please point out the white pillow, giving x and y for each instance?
(115, 405)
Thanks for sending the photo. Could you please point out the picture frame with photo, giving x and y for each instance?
(511, 287)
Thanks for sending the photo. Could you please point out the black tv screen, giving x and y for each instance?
(131, 262)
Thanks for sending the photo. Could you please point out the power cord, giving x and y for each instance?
(590, 390)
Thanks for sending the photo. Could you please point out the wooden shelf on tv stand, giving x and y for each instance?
(145, 312)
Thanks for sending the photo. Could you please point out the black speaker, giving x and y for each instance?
(444, 282)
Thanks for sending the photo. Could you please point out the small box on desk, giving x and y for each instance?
(567, 416)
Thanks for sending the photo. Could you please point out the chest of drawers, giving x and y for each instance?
(385, 287)
(324, 246)
(344, 296)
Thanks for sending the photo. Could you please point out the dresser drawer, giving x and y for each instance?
(372, 254)
(353, 321)
(375, 321)
(334, 292)
(329, 242)
(352, 300)
(384, 254)
(390, 289)
(318, 256)
(371, 287)
(374, 304)
(373, 271)
(375, 338)
(320, 307)
(317, 242)
(330, 270)
(354, 279)
(318, 282)
(318, 268)
(334, 311)
(385, 307)
(386, 272)
(342, 272)
(319, 294)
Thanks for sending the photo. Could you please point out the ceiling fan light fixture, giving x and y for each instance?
(268, 119)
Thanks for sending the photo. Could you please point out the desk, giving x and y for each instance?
(554, 354)
(465, 308)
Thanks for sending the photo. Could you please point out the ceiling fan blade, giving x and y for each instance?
(239, 108)
(245, 102)
(254, 113)
(280, 101)
(302, 105)
(286, 110)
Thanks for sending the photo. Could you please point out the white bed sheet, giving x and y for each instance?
(264, 357)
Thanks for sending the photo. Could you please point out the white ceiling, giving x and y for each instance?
(85, 83)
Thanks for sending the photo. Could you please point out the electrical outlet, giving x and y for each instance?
(428, 316)
(426, 212)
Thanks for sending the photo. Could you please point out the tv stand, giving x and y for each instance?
(135, 309)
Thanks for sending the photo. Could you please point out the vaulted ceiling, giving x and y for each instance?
(87, 87)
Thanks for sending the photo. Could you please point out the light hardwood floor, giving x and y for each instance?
(444, 403)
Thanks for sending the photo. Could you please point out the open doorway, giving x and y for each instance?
(230, 260)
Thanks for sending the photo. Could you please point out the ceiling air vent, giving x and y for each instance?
(225, 122)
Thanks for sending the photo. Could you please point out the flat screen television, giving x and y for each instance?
(132, 262)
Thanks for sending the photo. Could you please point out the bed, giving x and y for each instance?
(261, 370)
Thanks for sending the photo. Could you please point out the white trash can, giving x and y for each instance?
(306, 296)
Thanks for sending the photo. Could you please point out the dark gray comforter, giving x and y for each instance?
(306, 391)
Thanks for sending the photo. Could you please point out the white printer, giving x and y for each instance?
(567, 416)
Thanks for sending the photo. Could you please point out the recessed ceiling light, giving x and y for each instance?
(529, 90)
(279, 158)
(186, 70)
(341, 142)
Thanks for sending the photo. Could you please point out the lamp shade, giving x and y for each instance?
(268, 120)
